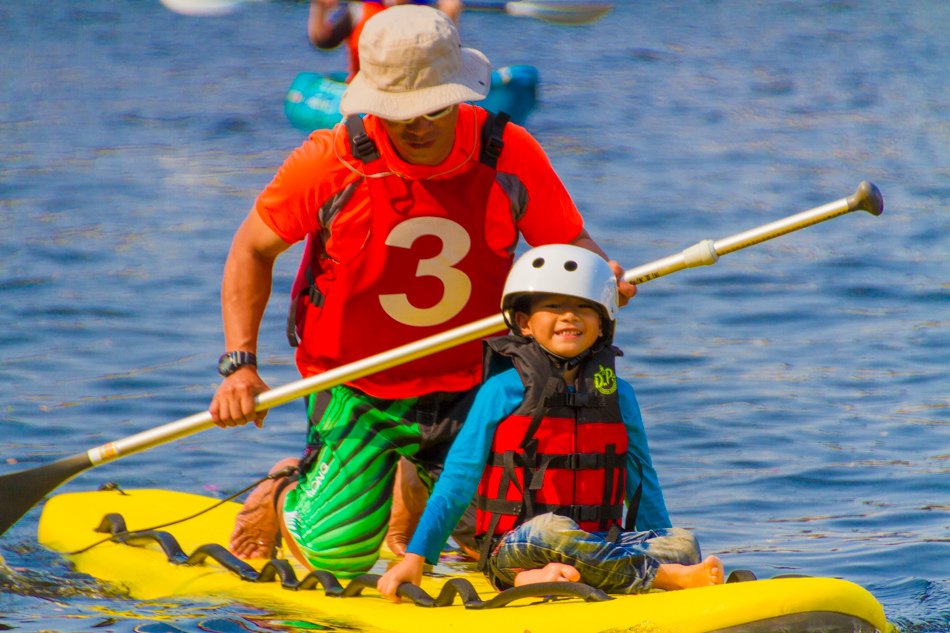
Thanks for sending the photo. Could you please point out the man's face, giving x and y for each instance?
(424, 140)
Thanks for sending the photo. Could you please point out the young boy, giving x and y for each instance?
(554, 446)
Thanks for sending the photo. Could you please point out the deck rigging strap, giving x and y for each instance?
(281, 570)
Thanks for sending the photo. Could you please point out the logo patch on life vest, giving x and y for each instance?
(605, 380)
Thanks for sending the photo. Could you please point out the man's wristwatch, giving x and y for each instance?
(230, 362)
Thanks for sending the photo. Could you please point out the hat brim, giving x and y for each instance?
(471, 83)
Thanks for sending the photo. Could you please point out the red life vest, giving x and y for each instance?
(425, 267)
(562, 452)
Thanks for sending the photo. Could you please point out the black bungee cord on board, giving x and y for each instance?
(281, 570)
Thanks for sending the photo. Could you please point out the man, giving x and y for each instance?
(412, 214)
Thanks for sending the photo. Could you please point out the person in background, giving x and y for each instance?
(553, 449)
(330, 24)
(412, 215)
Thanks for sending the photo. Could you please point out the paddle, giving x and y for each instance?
(21, 490)
(557, 11)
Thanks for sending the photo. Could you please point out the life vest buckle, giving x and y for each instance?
(583, 513)
(587, 461)
(361, 145)
(494, 147)
(315, 296)
(365, 148)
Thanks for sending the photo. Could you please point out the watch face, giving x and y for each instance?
(226, 365)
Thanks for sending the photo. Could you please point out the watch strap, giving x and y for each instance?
(230, 362)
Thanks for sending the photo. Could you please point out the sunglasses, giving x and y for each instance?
(431, 116)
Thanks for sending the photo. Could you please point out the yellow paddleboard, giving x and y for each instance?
(69, 523)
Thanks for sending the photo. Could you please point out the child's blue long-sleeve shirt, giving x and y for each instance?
(497, 398)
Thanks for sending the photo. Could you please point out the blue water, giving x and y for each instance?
(796, 394)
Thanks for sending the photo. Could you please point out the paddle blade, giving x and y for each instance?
(22, 490)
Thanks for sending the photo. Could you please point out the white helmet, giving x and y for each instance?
(565, 270)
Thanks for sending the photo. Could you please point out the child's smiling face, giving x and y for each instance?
(565, 326)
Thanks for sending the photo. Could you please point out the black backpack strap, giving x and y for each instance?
(361, 145)
(492, 131)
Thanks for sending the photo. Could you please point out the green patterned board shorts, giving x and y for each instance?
(338, 513)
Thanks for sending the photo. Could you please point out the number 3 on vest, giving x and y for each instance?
(457, 287)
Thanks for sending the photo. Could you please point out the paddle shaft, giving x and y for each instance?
(867, 197)
(300, 388)
(19, 491)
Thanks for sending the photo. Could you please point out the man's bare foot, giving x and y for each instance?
(552, 572)
(674, 576)
(409, 500)
(257, 524)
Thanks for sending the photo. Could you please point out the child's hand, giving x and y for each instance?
(409, 569)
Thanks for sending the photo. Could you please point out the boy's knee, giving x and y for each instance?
(678, 545)
(549, 529)
(550, 523)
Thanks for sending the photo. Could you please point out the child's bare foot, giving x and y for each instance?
(674, 576)
(257, 525)
(552, 572)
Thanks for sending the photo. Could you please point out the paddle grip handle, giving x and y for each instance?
(867, 197)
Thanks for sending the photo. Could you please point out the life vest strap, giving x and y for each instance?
(609, 491)
(550, 388)
(309, 290)
(489, 540)
(491, 142)
(634, 506)
(570, 461)
(578, 513)
(588, 513)
(575, 400)
(498, 506)
(493, 129)
(361, 145)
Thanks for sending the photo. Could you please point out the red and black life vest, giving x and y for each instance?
(560, 451)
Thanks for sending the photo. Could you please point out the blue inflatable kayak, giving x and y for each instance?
(313, 99)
